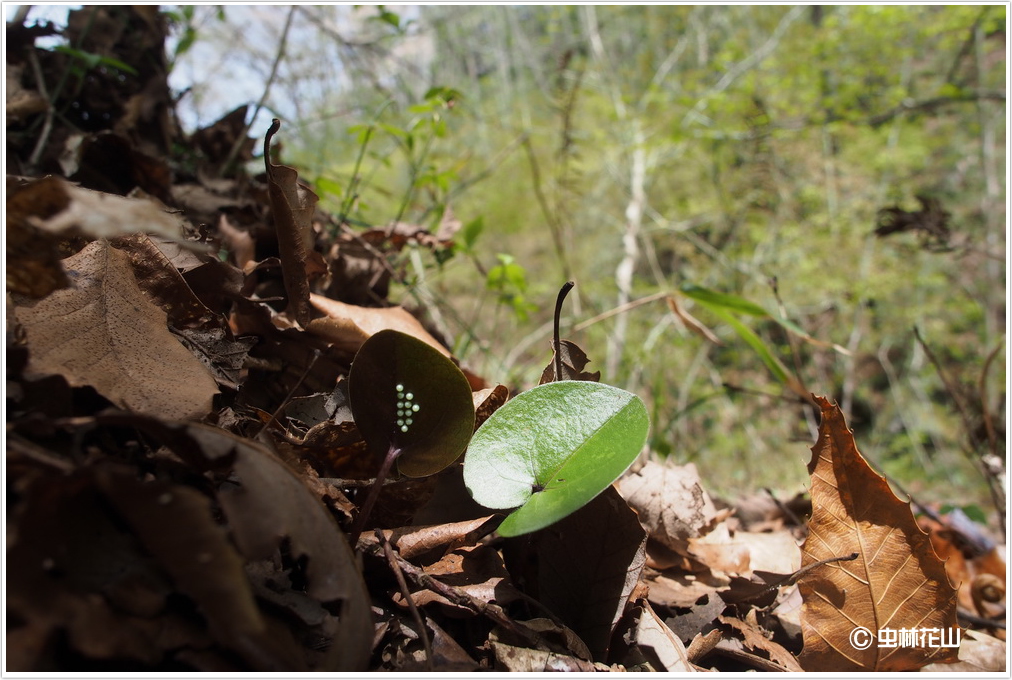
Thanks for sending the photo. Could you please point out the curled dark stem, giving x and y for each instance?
(275, 126)
(556, 344)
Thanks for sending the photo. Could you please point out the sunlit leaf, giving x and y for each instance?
(552, 449)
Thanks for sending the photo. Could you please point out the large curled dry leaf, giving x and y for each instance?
(292, 207)
(897, 582)
(103, 332)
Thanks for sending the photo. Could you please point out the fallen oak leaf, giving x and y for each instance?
(896, 582)
(93, 213)
(105, 333)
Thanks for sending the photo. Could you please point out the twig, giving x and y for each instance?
(291, 392)
(783, 508)
(393, 453)
(975, 620)
(985, 412)
(621, 309)
(21, 14)
(994, 486)
(47, 126)
(241, 139)
(801, 573)
(388, 551)
(949, 386)
(461, 598)
(550, 215)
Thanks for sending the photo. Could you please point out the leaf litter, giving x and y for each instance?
(184, 468)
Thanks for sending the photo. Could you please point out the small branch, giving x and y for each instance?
(291, 393)
(388, 552)
(461, 598)
(979, 621)
(985, 412)
(241, 139)
(949, 386)
(621, 309)
(929, 105)
(550, 215)
(47, 126)
(393, 454)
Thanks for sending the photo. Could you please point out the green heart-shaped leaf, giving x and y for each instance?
(552, 449)
(406, 395)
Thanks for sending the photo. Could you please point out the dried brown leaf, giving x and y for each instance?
(105, 333)
(292, 207)
(978, 652)
(348, 326)
(487, 402)
(265, 503)
(896, 582)
(660, 644)
(670, 501)
(176, 525)
(574, 360)
(755, 640)
(55, 205)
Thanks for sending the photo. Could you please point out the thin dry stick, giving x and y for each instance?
(985, 412)
(241, 139)
(997, 492)
(621, 309)
(551, 217)
(291, 393)
(463, 599)
(949, 386)
(388, 551)
(47, 126)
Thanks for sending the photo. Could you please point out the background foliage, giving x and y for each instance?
(744, 149)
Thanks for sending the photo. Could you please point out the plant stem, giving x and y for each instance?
(393, 453)
(556, 344)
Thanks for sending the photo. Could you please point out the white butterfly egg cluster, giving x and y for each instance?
(406, 408)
